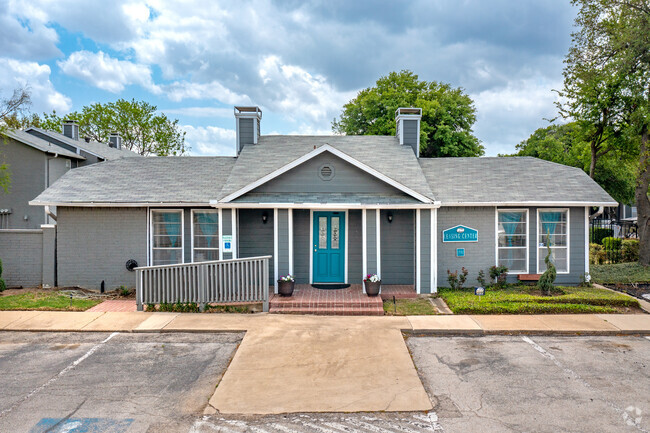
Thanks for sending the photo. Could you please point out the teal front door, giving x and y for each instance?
(329, 247)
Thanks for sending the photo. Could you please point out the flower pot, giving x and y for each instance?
(285, 288)
(372, 289)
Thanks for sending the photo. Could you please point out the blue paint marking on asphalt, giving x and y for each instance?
(82, 425)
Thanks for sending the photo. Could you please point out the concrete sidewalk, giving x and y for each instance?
(64, 321)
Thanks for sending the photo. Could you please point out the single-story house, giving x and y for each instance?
(328, 209)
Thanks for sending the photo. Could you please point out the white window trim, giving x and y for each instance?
(217, 211)
(568, 237)
(311, 243)
(182, 234)
(496, 238)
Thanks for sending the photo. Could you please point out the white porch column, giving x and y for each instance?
(290, 240)
(378, 228)
(364, 248)
(233, 229)
(434, 250)
(275, 249)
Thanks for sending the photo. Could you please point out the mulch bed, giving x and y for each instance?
(638, 290)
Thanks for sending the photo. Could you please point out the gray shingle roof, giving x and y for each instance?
(511, 179)
(179, 179)
(40, 144)
(103, 150)
(382, 153)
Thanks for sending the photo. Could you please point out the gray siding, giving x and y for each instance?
(246, 132)
(301, 243)
(371, 241)
(347, 179)
(411, 135)
(255, 237)
(355, 252)
(27, 168)
(478, 255)
(95, 243)
(398, 247)
(425, 251)
(21, 253)
(283, 242)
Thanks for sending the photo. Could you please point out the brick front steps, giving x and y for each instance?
(342, 302)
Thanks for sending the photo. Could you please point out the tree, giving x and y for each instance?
(10, 108)
(447, 114)
(613, 40)
(570, 144)
(142, 129)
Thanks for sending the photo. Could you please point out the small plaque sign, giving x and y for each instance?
(460, 252)
(479, 291)
(460, 234)
(226, 240)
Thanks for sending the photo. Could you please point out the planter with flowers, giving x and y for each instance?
(285, 285)
(373, 284)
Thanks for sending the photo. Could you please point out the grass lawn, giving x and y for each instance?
(46, 302)
(620, 273)
(409, 307)
(525, 300)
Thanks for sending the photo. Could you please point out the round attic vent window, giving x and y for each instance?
(326, 172)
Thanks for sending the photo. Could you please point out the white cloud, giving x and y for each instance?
(36, 78)
(103, 71)
(210, 140)
(181, 90)
(508, 115)
(294, 92)
(200, 112)
(24, 33)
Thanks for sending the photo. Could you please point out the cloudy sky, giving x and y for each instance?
(300, 61)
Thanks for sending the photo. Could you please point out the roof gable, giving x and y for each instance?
(326, 148)
(95, 148)
(39, 144)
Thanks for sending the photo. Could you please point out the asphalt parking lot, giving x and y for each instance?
(127, 383)
(536, 384)
(112, 383)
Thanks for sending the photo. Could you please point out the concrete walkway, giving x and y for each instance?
(290, 363)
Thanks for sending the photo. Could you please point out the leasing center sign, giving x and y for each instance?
(460, 234)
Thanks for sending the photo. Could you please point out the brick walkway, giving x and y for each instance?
(115, 305)
(345, 302)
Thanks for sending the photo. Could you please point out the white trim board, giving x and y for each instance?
(313, 154)
(418, 259)
(529, 203)
(275, 249)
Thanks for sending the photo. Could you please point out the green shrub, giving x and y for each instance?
(481, 278)
(498, 274)
(3, 286)
(545, 283)
(612, 244)
(630, 250)
(598, 233)
(456, 280)
(597, 255)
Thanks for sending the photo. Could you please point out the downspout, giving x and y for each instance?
(598, 213)
(49, 213)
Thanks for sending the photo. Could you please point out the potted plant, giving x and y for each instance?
(285, 285)
(373, 284)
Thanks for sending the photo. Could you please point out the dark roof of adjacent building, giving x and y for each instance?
(509, 180)
(102, 150)
(450, 181)
(40, 144)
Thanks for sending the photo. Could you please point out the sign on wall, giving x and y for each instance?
(460, 234)
(226, 240)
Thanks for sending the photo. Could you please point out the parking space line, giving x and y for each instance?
(61, 373)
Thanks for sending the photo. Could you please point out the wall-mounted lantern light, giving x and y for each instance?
(265, 217)
(389, 217)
